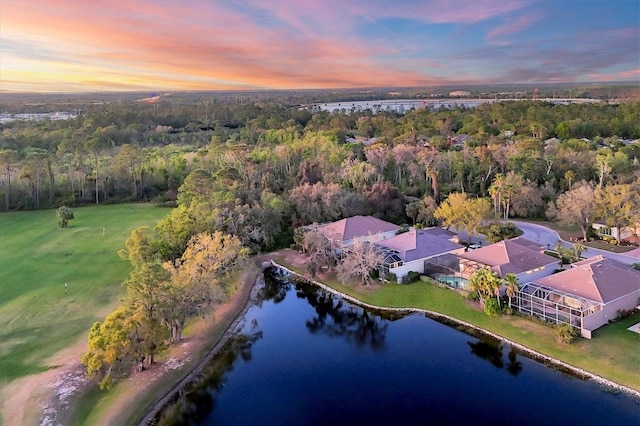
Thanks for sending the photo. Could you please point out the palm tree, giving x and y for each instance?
(485, 282)
(511, 286)
(495, 190)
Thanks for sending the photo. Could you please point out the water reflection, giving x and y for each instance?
(196, 400)
(514, 367)
(490, 349)
(335, 319)
(309, 368)
(274, 287)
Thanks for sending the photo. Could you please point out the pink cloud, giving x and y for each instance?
(616, 76)
(630, 73)
(512, 27)
(168, 44)
(256, 44)
(331, 17)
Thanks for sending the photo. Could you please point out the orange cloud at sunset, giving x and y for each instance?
(197, 45)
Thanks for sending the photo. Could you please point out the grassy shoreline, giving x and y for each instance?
(612, 353)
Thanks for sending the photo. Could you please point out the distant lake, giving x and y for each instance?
(404, 105)
(399, 105)
(305, 357)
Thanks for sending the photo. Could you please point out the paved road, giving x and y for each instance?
(544, 235)
(476, 239)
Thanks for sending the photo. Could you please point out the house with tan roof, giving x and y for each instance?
(587, 296)
(519, 256)
(366, 228)
(408, 251)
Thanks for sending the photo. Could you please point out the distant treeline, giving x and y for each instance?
(130, 150)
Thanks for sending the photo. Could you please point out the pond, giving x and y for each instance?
(305, 357)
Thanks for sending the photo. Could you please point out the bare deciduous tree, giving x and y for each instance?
(358, 262)
(575, 207)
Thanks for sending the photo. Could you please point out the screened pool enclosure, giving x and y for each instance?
(554, 305)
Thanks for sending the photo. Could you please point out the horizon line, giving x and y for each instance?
(312, 89)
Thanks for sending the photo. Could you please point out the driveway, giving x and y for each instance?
(544, 236)
(541, 234)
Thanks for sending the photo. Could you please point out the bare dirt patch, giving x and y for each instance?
(26, 400)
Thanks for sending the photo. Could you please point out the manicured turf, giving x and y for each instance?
(37, 318)
(611, 353)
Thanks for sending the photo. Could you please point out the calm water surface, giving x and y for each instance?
(304, 357)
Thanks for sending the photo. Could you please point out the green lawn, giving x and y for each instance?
(611, 353)
(37, 318)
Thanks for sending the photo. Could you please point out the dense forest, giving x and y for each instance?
(258, 170)
(143, 151)
(244, 175)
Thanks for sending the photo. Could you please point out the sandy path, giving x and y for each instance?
(23, 401)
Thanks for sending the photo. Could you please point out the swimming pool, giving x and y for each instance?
(453, 281)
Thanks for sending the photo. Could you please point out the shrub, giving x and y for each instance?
(498, 231)
(312, 267)
(552, 253)
(473, 295)
(402, 230)
(64, 214)
(412, 276)
(170, 204)
(491, 307)
(374, 274)
(623, 313)
(565, 333)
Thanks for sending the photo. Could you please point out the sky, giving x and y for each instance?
(156, 45)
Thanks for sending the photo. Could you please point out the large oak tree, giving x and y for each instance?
(575, 207)
(462, 213)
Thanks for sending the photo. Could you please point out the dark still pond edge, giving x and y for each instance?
(473, 331)
(172, 395)
(233, 345)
